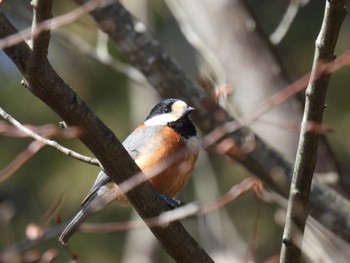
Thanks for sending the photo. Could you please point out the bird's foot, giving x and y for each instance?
(172, 202)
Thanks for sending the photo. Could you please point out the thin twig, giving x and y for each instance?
(287, 20)
(277, 99)
(40, 234)
(51, 143)
(298, 204)
(49, 24)
(9, 130)
(20, 159)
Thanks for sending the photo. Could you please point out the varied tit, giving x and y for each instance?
(167, 136)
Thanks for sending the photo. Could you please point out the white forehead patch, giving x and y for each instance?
(178, 109)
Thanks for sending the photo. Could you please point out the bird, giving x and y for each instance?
(167, 135)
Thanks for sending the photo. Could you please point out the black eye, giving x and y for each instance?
(168, 108)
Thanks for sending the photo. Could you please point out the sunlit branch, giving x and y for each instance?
(50, 143)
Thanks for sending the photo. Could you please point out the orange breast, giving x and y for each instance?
(168, 167)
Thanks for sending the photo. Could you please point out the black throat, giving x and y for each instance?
(184, 127)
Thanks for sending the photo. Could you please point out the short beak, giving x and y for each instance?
(189, 110)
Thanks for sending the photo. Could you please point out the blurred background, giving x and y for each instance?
(245, 226)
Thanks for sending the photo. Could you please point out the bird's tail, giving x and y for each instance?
(74, 224)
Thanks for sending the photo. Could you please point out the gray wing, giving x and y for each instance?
(101, 179)
(135, 144)
(142, 141)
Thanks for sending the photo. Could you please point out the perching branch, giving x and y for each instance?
(44, 83)
(144, 53)
(298, 205)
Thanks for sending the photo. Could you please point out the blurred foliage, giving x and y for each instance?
(39, 183)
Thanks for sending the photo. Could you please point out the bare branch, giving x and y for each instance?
(7, 129)
(45, 141)
(298, 205)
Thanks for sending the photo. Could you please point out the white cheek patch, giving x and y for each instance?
(162, 119)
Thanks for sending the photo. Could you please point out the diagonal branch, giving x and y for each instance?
(298, 204)
(20, 159)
